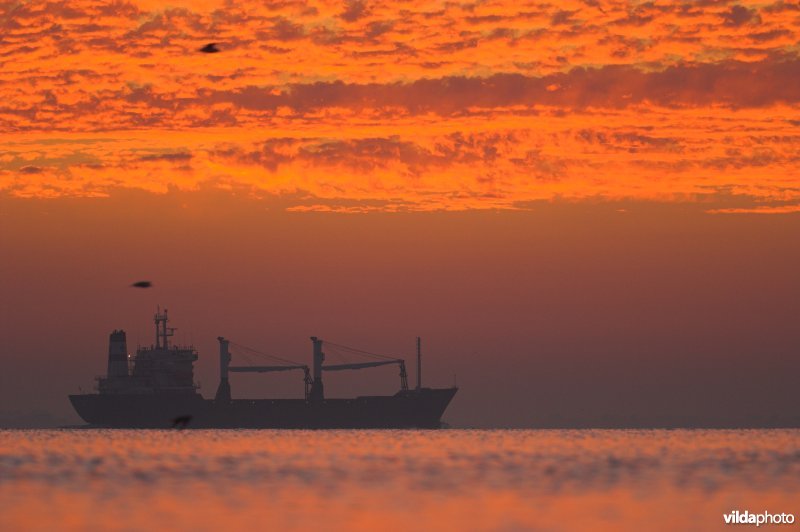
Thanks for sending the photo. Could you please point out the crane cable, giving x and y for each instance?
(362, 352)
(262, 354)
(336, 347)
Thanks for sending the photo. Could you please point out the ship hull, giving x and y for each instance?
(406, 409)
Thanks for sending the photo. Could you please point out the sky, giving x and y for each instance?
(589, 210)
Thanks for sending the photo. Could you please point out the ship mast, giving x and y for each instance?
(162, 331)
(419, 363)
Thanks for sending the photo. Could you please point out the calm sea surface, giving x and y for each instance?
(394, 480)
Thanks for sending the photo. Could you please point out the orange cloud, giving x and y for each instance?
(404, 106)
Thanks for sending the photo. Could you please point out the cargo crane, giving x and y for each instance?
(224, 390)
(384, 360)
(314, 390)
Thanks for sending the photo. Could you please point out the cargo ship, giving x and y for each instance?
(155, 388)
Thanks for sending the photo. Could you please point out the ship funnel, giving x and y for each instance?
(117, 354)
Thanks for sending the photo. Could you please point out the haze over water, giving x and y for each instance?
(394, 480)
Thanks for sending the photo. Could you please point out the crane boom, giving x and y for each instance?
(360, 365)
(262, 369)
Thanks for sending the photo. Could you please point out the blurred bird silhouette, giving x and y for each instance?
(181, 422)
(210, 48)
(142, 284)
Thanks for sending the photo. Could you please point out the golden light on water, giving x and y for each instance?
(393, 480)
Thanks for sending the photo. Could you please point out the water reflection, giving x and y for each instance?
(393, 480)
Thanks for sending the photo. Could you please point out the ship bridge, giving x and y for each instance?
(159, 368)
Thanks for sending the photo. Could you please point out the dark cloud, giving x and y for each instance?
(367, 154)
(482, 19)
(629, 141)
(324, 36)
(161, 26)
(733, 83)
(271, 154)
(460, 44)
(758, 157)
(284, 29)
(542, 167)
(67, 12)
(634, 19)
(354, 10)
(562, 17)
(734, 159)
(503, 33)
(118, 8)
(364, 154)
(178, 156)
(31, 170)
(400, 50)
(378, 28)
(765, 36)
(739, 15)
(781, 6)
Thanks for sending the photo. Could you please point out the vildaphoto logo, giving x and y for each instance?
(764, 518)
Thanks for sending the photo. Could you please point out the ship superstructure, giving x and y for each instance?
(158, 369)
(155, 387)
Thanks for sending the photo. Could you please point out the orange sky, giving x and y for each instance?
(410, 106)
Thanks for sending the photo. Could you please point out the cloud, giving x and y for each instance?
(31, 170)
(409, 105)
(283, 29)
(739, 15)
(629, 141)
(367, 154)
(354, 10)
(178, 157)
(771, 35)
(733, 83)
(777, 209)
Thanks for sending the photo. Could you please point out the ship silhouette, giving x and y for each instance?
(155, 389)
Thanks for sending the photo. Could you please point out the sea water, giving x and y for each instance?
(394, 479)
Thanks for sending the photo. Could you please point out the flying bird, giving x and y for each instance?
(210, 48)
(142, 284)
